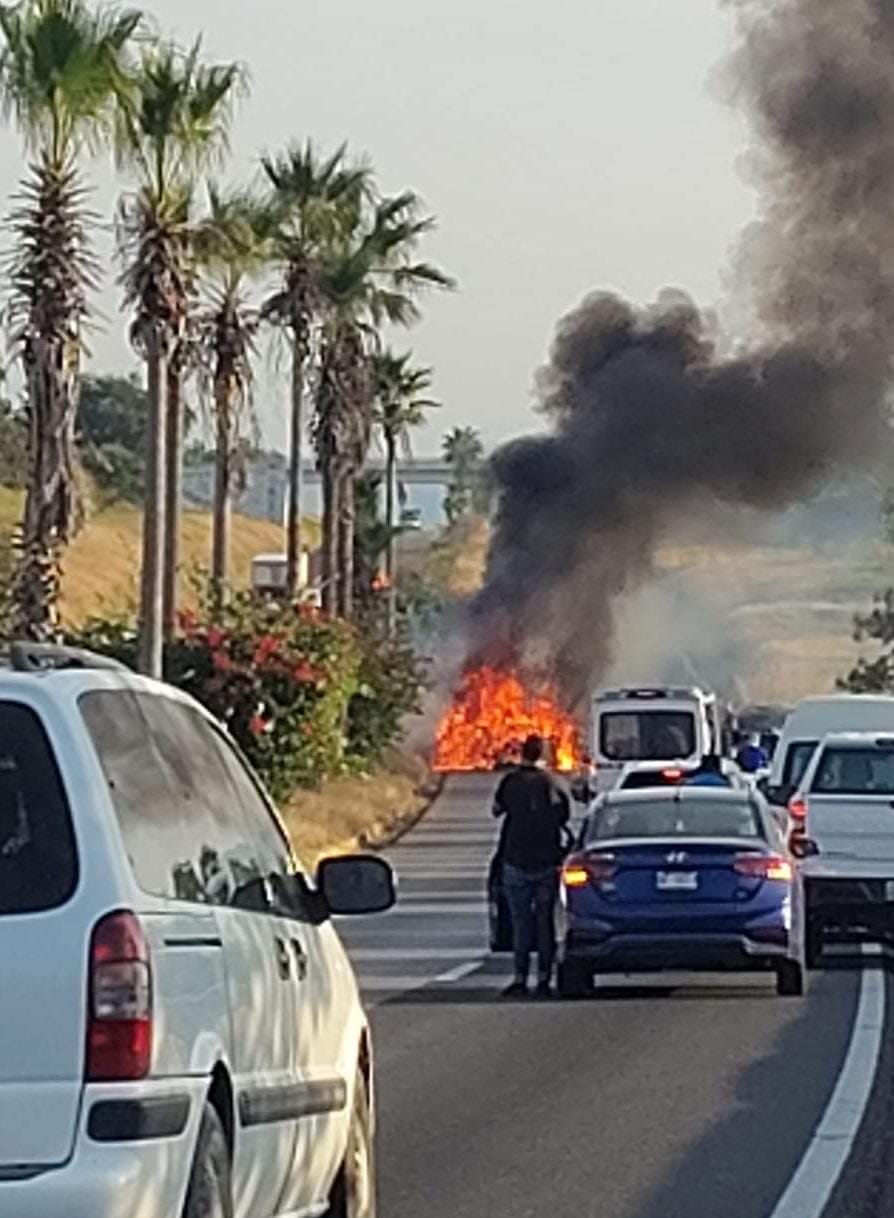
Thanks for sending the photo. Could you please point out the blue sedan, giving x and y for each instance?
(687, 878)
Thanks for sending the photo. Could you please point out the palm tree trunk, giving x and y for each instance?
(346, 522)
(52, 507)
(390, 548)
(173, 498)
(296, 472)
(222, 519)
(150, 650)
(331, 511)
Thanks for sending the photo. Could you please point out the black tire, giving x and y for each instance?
(209, 1193)
(813, 941)
(354, 1191)
(575, 979)
(789, 979)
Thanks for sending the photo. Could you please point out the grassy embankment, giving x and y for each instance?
(100, 577)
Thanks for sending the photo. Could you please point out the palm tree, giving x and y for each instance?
(400, 405)
(464, 451)
(313, 198)
(60, 66)
(174, 123)
(368, 280)
(232, 248)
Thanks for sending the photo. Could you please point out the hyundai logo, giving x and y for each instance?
(677, 856)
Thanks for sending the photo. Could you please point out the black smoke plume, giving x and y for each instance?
(652, 419)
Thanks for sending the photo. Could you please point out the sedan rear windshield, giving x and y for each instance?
(646, 735)
(847, 771)
(38, 858)
(698, 818)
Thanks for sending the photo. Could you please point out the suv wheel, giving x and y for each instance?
(354, 1192)
(209, 1194)
(813, 941)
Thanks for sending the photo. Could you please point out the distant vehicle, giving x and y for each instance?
(411, 518)
(843, 825)
(182, 1034)
(692, 878)
(268, 575)
(810, 721)
(660, 724)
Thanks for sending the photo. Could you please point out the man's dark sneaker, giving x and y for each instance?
(544, 990)
(518, 989)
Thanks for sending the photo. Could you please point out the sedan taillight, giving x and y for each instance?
(583, 869)
(763, 867)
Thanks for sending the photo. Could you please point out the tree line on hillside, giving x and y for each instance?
(311, 251)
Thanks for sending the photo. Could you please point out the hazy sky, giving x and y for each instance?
(565, 146)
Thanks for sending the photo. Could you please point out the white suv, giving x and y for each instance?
(180, 1030)
(842, 825)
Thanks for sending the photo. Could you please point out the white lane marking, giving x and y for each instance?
(817, 1174)
(458, 973)
(368, 955)
(402, 985)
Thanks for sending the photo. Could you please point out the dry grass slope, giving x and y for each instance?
(100, 568)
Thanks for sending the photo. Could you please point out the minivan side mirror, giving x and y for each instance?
(355, 884)
(779, 796)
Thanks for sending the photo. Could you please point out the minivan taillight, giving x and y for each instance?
(119, 1024)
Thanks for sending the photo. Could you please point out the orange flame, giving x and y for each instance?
(491, 715)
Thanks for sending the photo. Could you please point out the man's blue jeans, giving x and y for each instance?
(531, 896)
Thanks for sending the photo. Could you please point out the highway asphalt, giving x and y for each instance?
(663, 1097)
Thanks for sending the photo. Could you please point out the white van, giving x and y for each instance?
(814, 718)
(182, 1034)
(650, 724)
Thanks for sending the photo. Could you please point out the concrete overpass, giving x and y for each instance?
(418, 471)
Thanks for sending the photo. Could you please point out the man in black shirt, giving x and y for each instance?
(531, 845)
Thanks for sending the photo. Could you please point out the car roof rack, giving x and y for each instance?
(52, 657)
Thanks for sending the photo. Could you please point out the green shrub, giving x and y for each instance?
(391, 678)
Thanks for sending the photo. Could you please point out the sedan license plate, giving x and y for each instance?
(676, 881)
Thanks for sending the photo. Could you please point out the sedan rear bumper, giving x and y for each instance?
(631, 953)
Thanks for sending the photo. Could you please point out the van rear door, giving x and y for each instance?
(43, 995)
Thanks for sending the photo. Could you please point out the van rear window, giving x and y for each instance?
(647, 735)
(38, 856)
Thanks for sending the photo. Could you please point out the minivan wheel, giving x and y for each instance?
(354, 1191)
(210, 1194)
(789, 979)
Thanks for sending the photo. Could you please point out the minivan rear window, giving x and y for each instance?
(38, 855)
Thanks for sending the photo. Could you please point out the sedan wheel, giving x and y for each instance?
(575, 979)
(789, 979)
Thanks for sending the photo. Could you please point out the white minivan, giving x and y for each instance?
(180, 1030)
(814, 718)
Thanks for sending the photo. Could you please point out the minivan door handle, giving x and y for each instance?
(301, 960)
(282, 959)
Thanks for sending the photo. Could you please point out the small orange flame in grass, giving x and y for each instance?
(491, 715)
